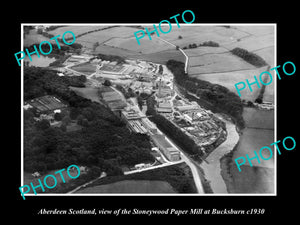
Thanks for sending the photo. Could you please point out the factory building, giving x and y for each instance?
(165, 147)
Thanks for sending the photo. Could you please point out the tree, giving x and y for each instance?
(250, 104)
(43, 124)
(58, 116)
(66, 120)
(107, 83)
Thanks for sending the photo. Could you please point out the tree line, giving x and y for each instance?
(249, 57)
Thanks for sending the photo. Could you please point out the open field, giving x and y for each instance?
(86, 68)
(229, 79)
(204, 50)
(213, 63)
(131, 186)
(34, 38)
(104, 35)
(267, 54)
(263, 119)
(161, 57)
(110, 50)
(147, 46)
(200, 33)
(253, 43)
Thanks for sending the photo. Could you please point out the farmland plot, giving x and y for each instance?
(198, 34)
(75, 29)
(213, 63)
(253, 43)
(229, 79)
(146, 47)
(104, 35)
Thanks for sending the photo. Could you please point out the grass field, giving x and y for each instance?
(213, 63)
(146, 46)
(263, 119)
(259, 179)
(204, 50)
(161, 57)
(87, 92)
(75, 29)
(253, 42)
(86, 68)
(103, 36)
(229, 79)
(200, 33)
(131, 186)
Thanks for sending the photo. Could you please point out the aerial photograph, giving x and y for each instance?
(147, 114)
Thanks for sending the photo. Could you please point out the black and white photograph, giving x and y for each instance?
(175, 111)
(143, 112)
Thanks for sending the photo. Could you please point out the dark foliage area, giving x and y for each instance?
(119, 59)
(103, 142)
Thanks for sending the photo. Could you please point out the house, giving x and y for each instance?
(139, 166)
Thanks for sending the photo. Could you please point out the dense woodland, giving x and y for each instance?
(213, 96)
(103, 142)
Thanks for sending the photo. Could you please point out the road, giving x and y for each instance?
(194, 170)
(195, 173)
(186, 57)
(154, 167)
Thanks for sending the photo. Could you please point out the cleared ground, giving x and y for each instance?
(263, 119)
(199, 33)
(28, 178)
(146, 46)
(131, 186)
(86, 68)
(75, 29)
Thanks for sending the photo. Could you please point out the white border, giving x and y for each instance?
(151, 24)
